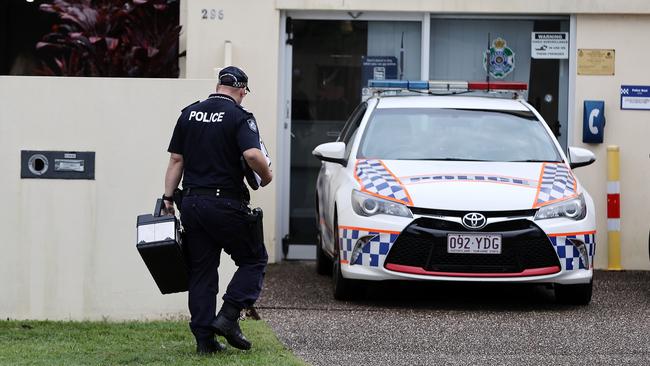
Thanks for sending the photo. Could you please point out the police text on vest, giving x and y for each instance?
(206, 117)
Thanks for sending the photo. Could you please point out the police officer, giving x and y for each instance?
(207, 146)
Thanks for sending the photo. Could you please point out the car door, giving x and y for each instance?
(330, 172)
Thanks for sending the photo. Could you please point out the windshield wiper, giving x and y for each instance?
(533, 161)
(452, 159)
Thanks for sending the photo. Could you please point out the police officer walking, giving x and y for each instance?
(207, 146)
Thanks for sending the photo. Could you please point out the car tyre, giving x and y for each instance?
(579, 294)
(343, 287)
(323, 262)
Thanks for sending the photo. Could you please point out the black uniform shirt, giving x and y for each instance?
(211, 136)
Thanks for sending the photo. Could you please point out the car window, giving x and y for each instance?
(352, 123)
(456, 134)
(348, 145)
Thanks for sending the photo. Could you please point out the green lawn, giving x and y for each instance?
(129, 343)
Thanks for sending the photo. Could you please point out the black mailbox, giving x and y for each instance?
(57, 164)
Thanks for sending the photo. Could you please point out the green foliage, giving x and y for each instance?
(115, 38)
(129, 343)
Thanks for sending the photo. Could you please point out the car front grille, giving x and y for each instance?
(423, 244)
(455, 213)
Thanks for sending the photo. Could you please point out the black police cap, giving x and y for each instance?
(233, 76)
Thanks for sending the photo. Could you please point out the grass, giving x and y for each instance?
(129, 343)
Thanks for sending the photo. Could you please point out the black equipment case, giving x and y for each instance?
(160, 245)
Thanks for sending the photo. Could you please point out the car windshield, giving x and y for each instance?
(456, 134)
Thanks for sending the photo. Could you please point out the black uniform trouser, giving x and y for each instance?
(212, 224)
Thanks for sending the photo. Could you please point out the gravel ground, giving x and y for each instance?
(457, 324)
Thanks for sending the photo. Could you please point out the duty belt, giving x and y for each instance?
(215, 192)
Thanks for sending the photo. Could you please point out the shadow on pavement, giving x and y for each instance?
(295, 285)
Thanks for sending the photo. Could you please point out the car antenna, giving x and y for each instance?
(487, 64)
(401, 58)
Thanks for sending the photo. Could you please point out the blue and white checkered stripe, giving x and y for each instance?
(373, 253)
(568, 253)
(557, 183)
(374, 178)
(470, 178)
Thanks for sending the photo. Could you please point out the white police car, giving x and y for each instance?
(464, 187)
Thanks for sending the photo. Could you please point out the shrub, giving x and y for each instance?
(134, 38)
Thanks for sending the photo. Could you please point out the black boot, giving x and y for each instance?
(209, 346)
(226, 324)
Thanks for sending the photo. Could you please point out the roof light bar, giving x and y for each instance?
(448, 86)
(497, 85)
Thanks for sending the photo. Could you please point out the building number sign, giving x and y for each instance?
(212, 14)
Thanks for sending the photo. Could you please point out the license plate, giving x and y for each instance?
(479, 243)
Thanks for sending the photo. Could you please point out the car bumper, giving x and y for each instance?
(563, 238)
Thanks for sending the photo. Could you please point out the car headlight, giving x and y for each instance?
(574, 209)
(367, 205)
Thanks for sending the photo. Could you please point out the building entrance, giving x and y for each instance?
(330, 60)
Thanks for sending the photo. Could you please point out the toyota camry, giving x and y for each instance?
(453, 182)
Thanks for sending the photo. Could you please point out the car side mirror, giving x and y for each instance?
(333, 152)
(580, 157)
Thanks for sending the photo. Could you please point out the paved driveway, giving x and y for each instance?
(457, 324)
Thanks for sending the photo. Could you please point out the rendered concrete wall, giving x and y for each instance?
(630, 130)
(475, 6)
(68, 248)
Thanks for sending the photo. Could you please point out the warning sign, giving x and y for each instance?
(549, 45)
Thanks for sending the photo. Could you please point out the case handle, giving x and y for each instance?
(157, 211)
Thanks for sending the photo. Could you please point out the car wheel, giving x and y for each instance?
(323, 262)
(579, 294)
(342, 286)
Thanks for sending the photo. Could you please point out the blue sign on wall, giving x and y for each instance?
(378, 68)
(635, 97)
(593, 121)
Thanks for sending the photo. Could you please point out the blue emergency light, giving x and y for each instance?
(399, 84)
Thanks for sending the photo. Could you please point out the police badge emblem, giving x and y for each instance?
(501, 59)
(252, 125)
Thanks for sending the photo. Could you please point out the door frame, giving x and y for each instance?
(283, 137)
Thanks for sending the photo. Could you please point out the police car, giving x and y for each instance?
(453, 181)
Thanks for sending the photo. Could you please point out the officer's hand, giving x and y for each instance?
(258, 163)
(267, 179)
(169, 208)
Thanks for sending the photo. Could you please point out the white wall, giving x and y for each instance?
(628, 129)
(475, 6)
(68, 248)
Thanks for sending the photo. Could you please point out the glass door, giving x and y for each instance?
(325, 89)
(331, 62)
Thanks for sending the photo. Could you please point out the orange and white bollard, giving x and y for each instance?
(613, 209)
